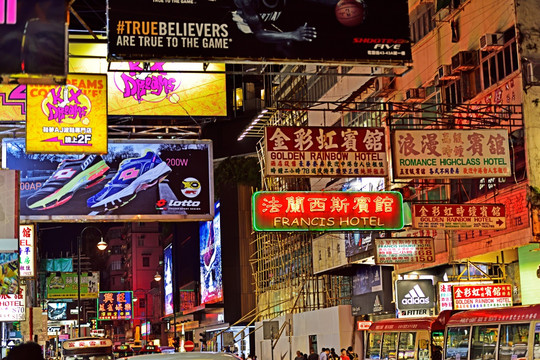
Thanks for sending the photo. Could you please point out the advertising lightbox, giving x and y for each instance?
(326, 211)
(210, 261)
(168, 280)
(167, 89)
(26, 251)
(415, 297)
(33, 38)
(64, 285)
(12, 102)
(404, 250)
(368, 31)
(9, 273)
(459, 216)
(478, 153)
(482, 296)
(325, 151)
(142, 180)
(57, 311)
(115, 305)
(68, 119)
(13, 306)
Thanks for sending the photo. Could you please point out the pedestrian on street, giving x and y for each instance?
(299, 355)
(26, 351)
(333, 354)
(323, 355)
(344, 355)
(351, 354)
(312, 355)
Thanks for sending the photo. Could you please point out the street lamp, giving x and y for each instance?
(157, 277)
(102, 245)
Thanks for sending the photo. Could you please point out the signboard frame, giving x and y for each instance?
(426, 244)
(449, 219)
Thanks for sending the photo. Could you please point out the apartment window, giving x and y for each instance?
(146, 261)
(116, 265)
(497, 65)
(142, 303)
(140, 241)
(422, 21)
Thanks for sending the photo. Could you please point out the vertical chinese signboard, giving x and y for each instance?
(459, 216)
(26, 251)
(115, 305)
(69, 119)
(451, 153)
(327, 211)
(325, 151)
(482, 296)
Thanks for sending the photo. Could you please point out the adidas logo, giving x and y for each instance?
(415, 296)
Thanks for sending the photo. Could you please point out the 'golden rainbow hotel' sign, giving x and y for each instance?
(327, 211)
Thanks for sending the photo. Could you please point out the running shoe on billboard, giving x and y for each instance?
(69, 176)
(134, 175)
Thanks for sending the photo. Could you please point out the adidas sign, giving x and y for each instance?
(415, 296)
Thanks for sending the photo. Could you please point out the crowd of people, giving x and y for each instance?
(328, 354)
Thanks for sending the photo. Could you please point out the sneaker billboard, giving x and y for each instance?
(146, 180)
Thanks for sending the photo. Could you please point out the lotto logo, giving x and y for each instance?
(8, 11)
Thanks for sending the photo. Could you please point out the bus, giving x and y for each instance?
(87, 348)
(511, 333)
(407, 338)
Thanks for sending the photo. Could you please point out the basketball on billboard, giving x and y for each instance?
(350, 12)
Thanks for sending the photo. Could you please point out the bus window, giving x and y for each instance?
(484, 339)
(406, 346)
(513, 341)
(457, 343)
(374, 346)
(389, 346)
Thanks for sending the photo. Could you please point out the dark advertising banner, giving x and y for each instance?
(33, 38)
(137, 180)
(333, 31)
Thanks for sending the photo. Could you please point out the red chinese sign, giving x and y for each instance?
(325, 151)
(481, 296)
(451, 153)
(115, 305)
(327, 211)
(459, 216)
(404, 250)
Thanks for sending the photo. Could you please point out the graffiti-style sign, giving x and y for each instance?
(70, 118)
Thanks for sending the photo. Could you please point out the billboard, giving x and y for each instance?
(404, 250)
(57, 311)
(459, 216)
(115, 305)
(210, 261)
(368, 279)
(12, 102)
(415, 297)
(482, 296)
(325, 151)
(326, 211)
(168, 89)
(177, 176)
(64, 285)
(26, 251)
(70, 118)
(368, 31)
(33, 38)
(9, 273)
(9, 221)
(478, 153)
(168, 280)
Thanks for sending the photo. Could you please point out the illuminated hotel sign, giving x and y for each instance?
(327, 211)
(404, 250)
(477, 153)
(26, 251)
(70, 119)
(325, 151)
(459, 216)
(115, 305)
(482, 296)
(13, 306)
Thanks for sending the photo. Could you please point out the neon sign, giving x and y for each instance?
(327, 211)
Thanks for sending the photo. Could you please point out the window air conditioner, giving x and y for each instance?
(445, 73)
(464, 61)
(491, 42)
(415, 94)
(384, 86)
